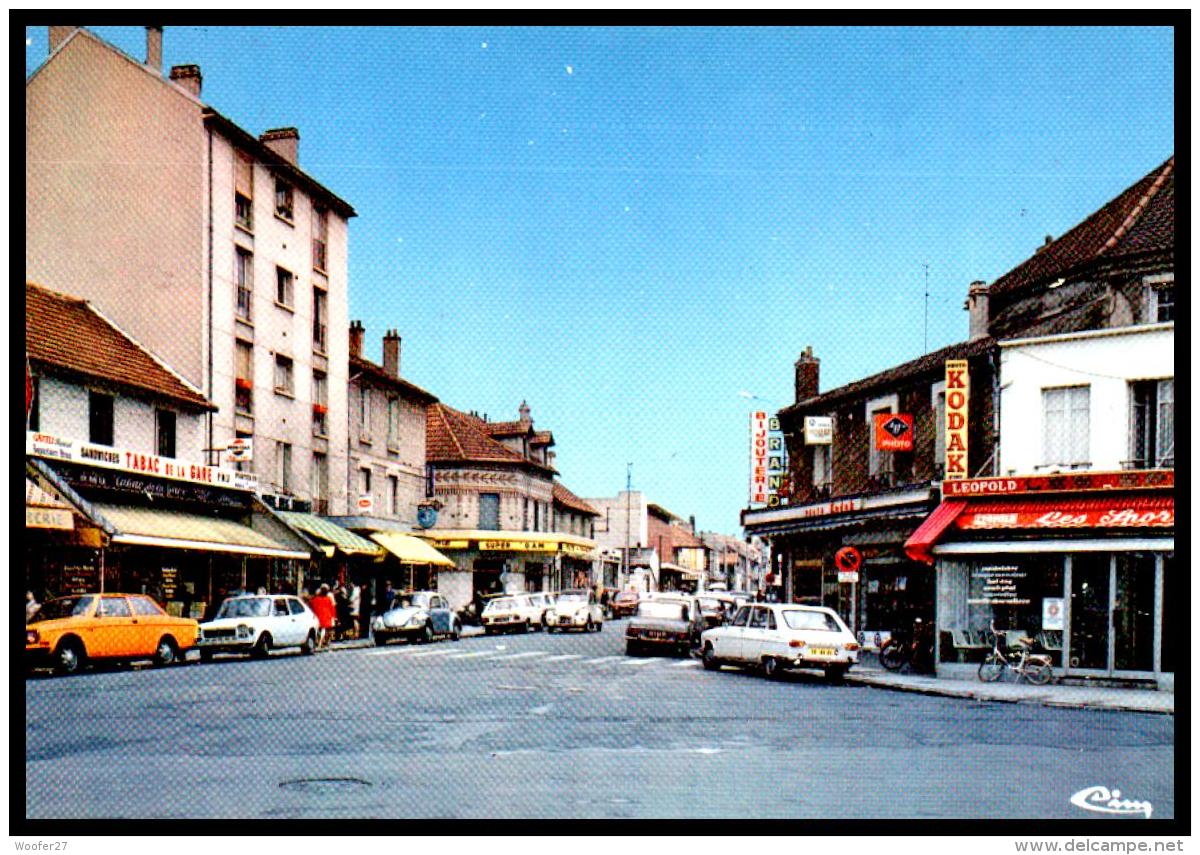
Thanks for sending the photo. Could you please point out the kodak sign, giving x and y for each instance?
(958, 395)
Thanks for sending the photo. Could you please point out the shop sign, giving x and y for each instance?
(365, 504)
(818, 430)
(118, 481)
(240, 450)
(893, 432)
(768, 461)
(1052, 613)
(169, 576)
(79, 579)
(848, 577)
(574, 549)
(839, 506)
(57, 448)
(518, 545)
(48, 518)
(997, 585)
(957, 403)
(1076, 482)
(1114, 516)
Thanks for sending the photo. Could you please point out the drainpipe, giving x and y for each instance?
(994, 361)
(208, 419)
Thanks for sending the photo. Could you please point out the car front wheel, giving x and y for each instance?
(770, 667)
(427, 633)
(166, 653)
(262, 647)
(69, 657)
(835, 674)
(309, 647)
(709, 657)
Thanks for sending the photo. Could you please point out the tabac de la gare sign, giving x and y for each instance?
(958, 382)
(71, 451)
(768, 460)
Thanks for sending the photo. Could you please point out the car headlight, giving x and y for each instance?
(551, 615)
(243, 631)
(31, 636)
(581, 614)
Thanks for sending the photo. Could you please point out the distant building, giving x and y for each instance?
(622, 531)
(682, 556)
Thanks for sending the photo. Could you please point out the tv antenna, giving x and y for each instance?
(926, 308)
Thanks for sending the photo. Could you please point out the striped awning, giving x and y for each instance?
(140, 526)
(331, 533)
(409, 549)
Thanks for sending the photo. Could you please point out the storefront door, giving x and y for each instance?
(1112, 613)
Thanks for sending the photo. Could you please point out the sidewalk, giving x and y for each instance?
(1077, 697)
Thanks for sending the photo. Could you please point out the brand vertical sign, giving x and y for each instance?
(768, 460)
(958, 391)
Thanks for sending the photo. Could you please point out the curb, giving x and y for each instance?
(970, 694)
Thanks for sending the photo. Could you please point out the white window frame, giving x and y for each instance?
(364, 413)
(285, 281)
(283, 467)
(1155, 285)
(937, 401)
(876, 458)
(285, 370)
(1070, 439)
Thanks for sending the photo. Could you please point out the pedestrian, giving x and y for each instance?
(355, 597)
(341, 600)
(323, 608)
(388, 595)
(31, 606)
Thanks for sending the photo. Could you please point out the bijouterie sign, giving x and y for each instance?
(71, 451)
(768, 460)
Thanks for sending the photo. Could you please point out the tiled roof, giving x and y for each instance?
(567, 499)
(930, 363)
(380, 376)
(454, 436)
(1140, 219)
(508, 428)
(543, 437)
(65, 334)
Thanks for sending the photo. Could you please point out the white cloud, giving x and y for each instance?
(570, 69)
(484, 45)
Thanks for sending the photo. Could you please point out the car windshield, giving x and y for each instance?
(572, 597)
(63, 607)
(710, 605)
(667, 609)
(245, 607)
(412, 601)
(796, 619)
(500, 605)
(626, 596)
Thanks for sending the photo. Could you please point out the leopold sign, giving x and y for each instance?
(958, 382)
(56, 448)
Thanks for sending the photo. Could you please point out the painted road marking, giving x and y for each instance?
(650, 661)
(425, 653)
(474, 655)
(392, 652)
(687, 663)
(564, 657)
(524, 655)
(603, 659)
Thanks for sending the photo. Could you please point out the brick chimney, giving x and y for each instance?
(977, 307)
(808, 376)
(285, 142)
(356, 338)
(391, 353)
(154, 49)
(188, 76)
(58, 35)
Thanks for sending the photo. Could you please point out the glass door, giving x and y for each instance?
(1133, 612)
(1090, 577)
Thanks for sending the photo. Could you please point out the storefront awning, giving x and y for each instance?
(509, 541)
(918, 545)
(338, 537)
(178, 530)
(409, 549)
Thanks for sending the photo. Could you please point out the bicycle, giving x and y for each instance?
(1032, 667)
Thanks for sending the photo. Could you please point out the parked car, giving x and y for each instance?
(718, 608)
(418, 616)
(513, 612)
(66, 632)
(778, 636)
(664, 621)
(623, 604)
(543, 600)
(575, 609)
(257, 624)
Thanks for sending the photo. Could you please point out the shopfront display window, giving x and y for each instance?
(1021, 595)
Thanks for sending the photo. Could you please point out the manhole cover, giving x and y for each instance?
(324, 786)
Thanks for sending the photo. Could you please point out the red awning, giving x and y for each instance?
(917, 547)
(1106, 512)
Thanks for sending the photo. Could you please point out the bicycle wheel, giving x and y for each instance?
(991, 668)
(1039, 673)
(892, 657)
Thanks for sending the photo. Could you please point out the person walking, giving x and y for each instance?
(354, 595)
(323, 608)
(31, 606)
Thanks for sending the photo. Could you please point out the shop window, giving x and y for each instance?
(244, 378)
(165, 430)
(243, 195)
(243, 275)
(489, 511)
(1066, 424)
(100, 418)
(1022, 595)
(283, 200)
(1152, 428)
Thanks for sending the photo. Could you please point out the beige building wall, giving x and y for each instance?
(402, 459)
(114, 196)
(459, 490)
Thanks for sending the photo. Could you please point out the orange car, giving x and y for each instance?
(65, 632)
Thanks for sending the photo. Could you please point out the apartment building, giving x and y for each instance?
(207, 243)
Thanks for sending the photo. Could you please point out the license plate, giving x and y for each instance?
(822, 651)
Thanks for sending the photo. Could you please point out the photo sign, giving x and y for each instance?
(894, 431)
(768, 460)
(958, 382)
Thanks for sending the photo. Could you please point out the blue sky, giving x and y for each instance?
(629, 227)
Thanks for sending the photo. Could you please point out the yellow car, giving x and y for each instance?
(68, 631)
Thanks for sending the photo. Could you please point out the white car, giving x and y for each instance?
(543, 600)
(513, 612)
(778, 636)
(575, 609)
(257, 624)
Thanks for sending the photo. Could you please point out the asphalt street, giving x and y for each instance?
(558, 726)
